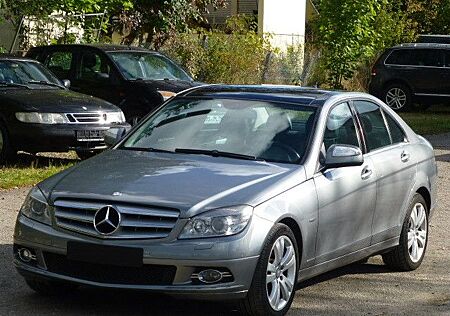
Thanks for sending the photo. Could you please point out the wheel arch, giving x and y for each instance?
(425, 193)
(397, 81)
(292, 224)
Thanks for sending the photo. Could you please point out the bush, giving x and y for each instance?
(236, 55)
(216, 57)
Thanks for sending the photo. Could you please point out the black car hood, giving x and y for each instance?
(54, 100)
(166, 85)
(190, 183)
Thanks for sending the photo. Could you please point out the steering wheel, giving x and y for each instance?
(291, 153)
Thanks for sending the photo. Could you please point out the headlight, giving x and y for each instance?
(42, 118)
(36, 207)
(114, 117)
(220, 222)
(166, 95)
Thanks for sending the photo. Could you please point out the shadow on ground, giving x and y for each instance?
(24, 160)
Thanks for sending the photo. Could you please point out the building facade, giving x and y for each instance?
(285, 20)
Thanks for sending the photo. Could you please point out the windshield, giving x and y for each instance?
(27, 73)
(147, 66)
(263, 130)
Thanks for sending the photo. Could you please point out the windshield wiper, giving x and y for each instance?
(45, 83)
(216, 153)
(13, 84)
(149, 149)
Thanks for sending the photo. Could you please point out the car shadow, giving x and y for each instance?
(354, 268)
(25, 160)
(444, 157)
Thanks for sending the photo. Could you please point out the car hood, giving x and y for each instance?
(54, 100)
(169, 85)
(190, 183)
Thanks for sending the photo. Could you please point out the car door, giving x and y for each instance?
(446, 74)
(61, 62)
(96, 76)
(346, 195)
(395, 168)
(429, 64)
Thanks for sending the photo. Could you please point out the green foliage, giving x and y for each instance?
(153, 22)
(346, 34)
(217, 57)
(428, 16)
(150, 22)
(287, 66)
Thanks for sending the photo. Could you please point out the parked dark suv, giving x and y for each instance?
(412, 74)
(135, 79)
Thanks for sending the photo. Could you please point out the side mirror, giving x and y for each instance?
(343, 156)
(66, 83)
(102, 76)
(115, 134)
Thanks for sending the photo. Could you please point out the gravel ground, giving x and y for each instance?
(359, 289)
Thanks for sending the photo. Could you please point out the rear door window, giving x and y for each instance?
(372, 120)
(94, 67)
(447, 58)
(416, 57)
(397, 133)
(60, 63)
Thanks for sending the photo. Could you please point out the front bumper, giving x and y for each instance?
(57, 138)
(187, 257)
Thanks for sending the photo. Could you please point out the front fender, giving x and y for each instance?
(300, 204)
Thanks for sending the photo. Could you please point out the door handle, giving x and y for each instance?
(405, 156)
(366, 173)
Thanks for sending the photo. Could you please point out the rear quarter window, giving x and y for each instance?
(416, 57)
(397, 133)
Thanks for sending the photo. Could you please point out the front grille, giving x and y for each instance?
(85, 118)
(137, 222)
(104, 273)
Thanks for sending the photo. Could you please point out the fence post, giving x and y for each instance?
(17, 35)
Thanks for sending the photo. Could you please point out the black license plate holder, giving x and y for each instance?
(105, 254)
(89, 135)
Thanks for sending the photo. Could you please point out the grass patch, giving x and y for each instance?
(433, 121)
(30, 170)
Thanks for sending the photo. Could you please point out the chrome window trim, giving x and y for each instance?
(433, 95)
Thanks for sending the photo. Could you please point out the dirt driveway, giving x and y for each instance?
(359, 289)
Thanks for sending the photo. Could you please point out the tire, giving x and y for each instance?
(7, 153)
(415, 228)
(257, 301)
(398, 97)
(86, 154)
(50, 288)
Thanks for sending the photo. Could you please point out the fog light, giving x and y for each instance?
(210, 276)
(26, 255)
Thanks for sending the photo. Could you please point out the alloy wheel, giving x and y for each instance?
(281, 271)
(396, 98)
(417, 232)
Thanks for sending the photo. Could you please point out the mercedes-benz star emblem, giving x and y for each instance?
(107, 220)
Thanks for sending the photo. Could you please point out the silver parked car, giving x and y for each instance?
(235, 192)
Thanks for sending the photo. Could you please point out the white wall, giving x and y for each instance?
(285, 19)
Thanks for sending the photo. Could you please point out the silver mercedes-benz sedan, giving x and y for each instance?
(234, 192)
